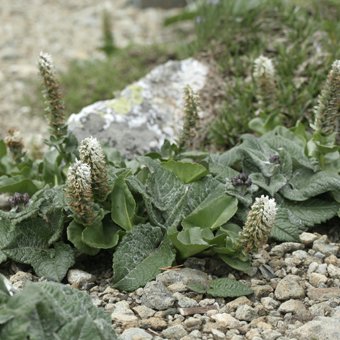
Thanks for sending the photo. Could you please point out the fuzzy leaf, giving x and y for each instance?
(53, 311)
(139, 257)
(236, 263)
(185, 171)
(272, 185)
(19, 183)
(305, 184)
(284, 229)
(123, 204)
(51, 263)
(311, 212)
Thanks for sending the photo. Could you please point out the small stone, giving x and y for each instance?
(174, 332)
(332, 259)
(246, 313)
(312, 267)
(143, 311)
(135, 334)
(289, 288)
(192, 323)
(269, 303)
(327, 249)
(122, 313)
(333, 271)
(20, 278)
(217, 335)
(270, 334)
(317, 279)
(321, 328)
(177, 287)
(323, 294)
(292, 306)
(307, 238)
(184, 275)
(320, 309)
(262, 290)
(184, 301)
(79, 278)
(322, 268)
(206, 302)
(157, 296)
(154, 323)
(286, 247)
(225, 321)
(233, 305)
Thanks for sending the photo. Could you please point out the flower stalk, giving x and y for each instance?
(259, 223)
(92, 154)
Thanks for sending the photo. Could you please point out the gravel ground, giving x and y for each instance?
(67, 29)
(296, 297)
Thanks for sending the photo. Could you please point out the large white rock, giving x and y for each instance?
(146, 112)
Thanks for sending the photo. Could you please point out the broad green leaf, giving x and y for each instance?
(191, 241)
(222, 287)
(102, 236)
(226, 288)
(185, 171)
(139, 257)
(311, 212)
(123, 204)
(19, 184)
(306, 184)
(272, 185)
(284, 229)
(75, 235)
(243, 265)
(49, 310)
(212, 213)
(3, 148)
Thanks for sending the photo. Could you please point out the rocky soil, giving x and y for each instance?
(296, 296)
(67, 30)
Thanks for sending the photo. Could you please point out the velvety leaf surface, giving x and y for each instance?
(185, 171)
(139, 257)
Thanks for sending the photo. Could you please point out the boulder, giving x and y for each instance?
(145, 113)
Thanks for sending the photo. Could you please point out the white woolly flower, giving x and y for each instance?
(79, 192)
(91, 153)
(260, 221)
(264, 76)
(45, 60)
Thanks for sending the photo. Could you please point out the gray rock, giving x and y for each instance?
(184, 301)
(286, 247)
(79, 278)
(192, 323)
(154, 323)
(122, 313)
(320, 328)
(246, 313)
(317, 280)
(292, 306)
(333, 271)
(217, 335)
(323, 294)
(289, 288)
(324, 247)
(144, 312)
(183, 275)
(225, 321)
(135, 333)
(19, 279)
(174, 332)
(307, 238)
(269, 303)
(157, 296)
(145, 113)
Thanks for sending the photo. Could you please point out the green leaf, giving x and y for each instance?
(272, 185)
(53, 311)
(3, 149)
(191, 241)
(185, 171)
(139, 257)
(123, 204)
(212, 213)
(226, 288)
(242, 265)
(102, 236)
(75, 235)
(284, 229)
(19, 184)
(222, 287)
(305, 184)
(311, 212)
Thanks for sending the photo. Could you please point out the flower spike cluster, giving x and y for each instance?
(92, 154)
(264, 76)
(53, 97)
(259, 223)
(79, 192)
(327, 111)
(191, 118)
